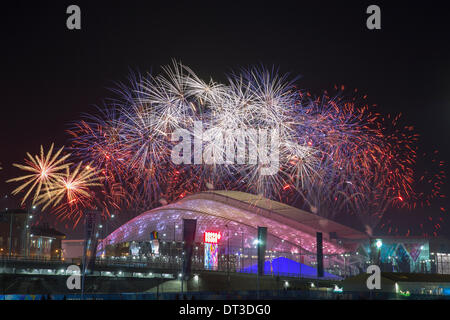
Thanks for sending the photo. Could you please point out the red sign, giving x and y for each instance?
(212, 237)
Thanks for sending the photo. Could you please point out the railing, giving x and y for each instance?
(171, 264)
(226, 295)
(30, 258)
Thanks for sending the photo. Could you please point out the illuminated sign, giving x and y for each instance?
(154, 242)
(212, 237)
(211, 256)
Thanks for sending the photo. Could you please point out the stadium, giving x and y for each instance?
(232, 219)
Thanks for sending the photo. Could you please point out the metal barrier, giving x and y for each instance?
(235, 295)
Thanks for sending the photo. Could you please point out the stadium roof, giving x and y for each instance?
(281, 212)
(239, 215)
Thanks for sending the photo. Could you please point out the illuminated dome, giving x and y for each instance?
(238, 214)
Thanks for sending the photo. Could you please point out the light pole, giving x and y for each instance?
(241, 257)
(106, 231)
(90, 217)
(10, 232)
(228, 254)
(196, 282)
(257, 269)
(181, 278)
(345, 265)
(27, 231)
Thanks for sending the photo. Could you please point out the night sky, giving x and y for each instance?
(51, 75)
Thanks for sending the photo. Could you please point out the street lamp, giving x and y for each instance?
(180, 275)
(196, 281)
(379, 243)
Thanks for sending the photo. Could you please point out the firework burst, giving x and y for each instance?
(44, 169)
(335, 154)
(71, 192)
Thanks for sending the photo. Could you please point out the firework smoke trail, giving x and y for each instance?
(45, 169)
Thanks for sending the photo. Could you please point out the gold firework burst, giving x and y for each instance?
(45, 169)
(72, 189)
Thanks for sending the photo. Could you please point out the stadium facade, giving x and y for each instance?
(233, 218)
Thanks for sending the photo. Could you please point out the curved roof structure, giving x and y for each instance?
(238, 215)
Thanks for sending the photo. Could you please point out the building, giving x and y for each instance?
(45, 243)
(234, 217)
(13, 232)
(19, 239)
(73, 249)
(440, 255)
(399, 254)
